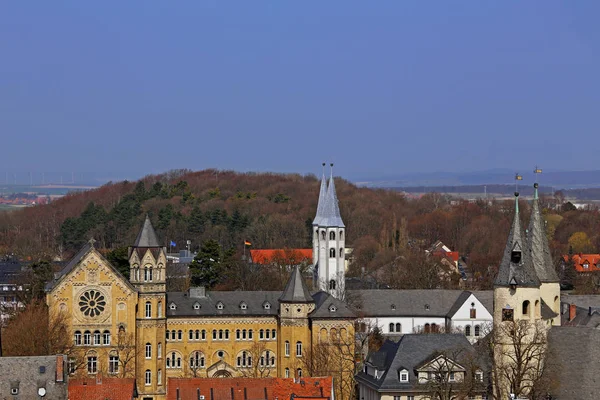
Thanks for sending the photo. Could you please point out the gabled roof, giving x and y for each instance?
(410, 352)
(296, 290)
(522, 272)
(593, 261)
(537, 244)
(408, 302)
(147, 236)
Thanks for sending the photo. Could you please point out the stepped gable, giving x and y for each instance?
(537, 244)
(296, 290)
(516, 267)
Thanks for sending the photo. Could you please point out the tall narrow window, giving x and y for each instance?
(287, 348)
(468, 330)
(526, 307)
(332, 235)
(287, 372)
(146, 274)
(96, 338)
(159, 350)
(92, 364)
(148, 350)
(299, 349)
(148, 377)
(299, 373)
(87, 338)
(392, 327)
(331, 253)
(159, 309)
(477, 330)
(77, 339)
(332, 284)
(113, 364)
(179, 335)
(148, 309)
(106, 338)
(398, 327)
(159, 377)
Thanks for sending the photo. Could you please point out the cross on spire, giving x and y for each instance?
(92, 241)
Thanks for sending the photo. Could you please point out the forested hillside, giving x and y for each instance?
(387, 231)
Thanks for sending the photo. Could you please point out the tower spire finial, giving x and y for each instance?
(536, 171)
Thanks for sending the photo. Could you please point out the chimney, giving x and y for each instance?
(60, 377)
(572, 312)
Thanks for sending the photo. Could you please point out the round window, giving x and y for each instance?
(92, 303)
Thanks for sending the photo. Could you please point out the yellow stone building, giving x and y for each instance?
(133, 327)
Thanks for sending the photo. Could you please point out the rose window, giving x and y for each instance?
(92, 303)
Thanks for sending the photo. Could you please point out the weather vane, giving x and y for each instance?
(517, 179)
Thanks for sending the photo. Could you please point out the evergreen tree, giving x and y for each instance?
(206, 267)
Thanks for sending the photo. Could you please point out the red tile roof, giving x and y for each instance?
(281, 256)
(103, 388)
(579, 260)
(250, 388)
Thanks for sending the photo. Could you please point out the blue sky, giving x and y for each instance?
(380, 88)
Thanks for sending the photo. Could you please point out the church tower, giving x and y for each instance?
(329, 238)
(539, 253)
(147, 261)
(517, 287)
(295, 304)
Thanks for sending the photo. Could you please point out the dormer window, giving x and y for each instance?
(173, 306)
(243, 305)
(196, 306)
(220, 306)
(586, 265)
(267, 306)
(426, 307)
(515, 254)
(403, 375)
(332, 308)
(393, 306)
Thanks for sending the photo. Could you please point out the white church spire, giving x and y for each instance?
(322, 195)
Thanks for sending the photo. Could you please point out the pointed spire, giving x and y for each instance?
(322, 195)
(147, 236)
(537, 243)
(296, 290)
(331, 212)
(515, 267)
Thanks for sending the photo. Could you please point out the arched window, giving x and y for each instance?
(148, 377)
(237, 334)
(77, 339)
(298, 349)
(332, 284)
(179, 335)
(173, 360)
(287, 372)
(203, 334)
(150, 274)
(261, 334)
(173, 335)
(435, 328)
(191, 335)
(427, 328)
(220, 334)
(331, 253)
(273, 334)
(106, 338)
(332, 235)
(243, 334)
(341, 234)
(250, 334)
(159, 350)
(556, 305)
(398, 327)
(159, 307)
(214, 334)
(226, 334)
(146, 274)
(392, 327)
(341, 252)
(148, 350)
(87, 338)
(299, 373)
(468, 330)
(148, 309)
(477, 330)
(526, 307)
(96, 338)
(196, 360)
(267, 334)
(537, 308)
(159, 377)
(244, 359)
(323, 235)
(287, 348)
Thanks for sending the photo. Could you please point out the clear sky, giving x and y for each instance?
(126, 88)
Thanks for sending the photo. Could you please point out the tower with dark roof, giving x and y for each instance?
(517, 287)
(329, 240)
(541, 258)
(147, 265)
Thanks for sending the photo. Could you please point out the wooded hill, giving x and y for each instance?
(387, 231)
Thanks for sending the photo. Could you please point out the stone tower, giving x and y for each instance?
(295, 304)
(329, 238)
(517, 287)
(539, 253)
(147, 261)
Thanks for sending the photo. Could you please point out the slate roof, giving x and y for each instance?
(574, 360)
(521, 273)
(409, 353)
(10, 272)
(383, 303)
(147, 236)
(331, 210)
(296, 290)
(24, 373)
(321, 203)
(486, 297)
(537, 244)
(70, 265)
(547, 312)
(254, 302)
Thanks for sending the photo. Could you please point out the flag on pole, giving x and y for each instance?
(247, 243)
(172, 244)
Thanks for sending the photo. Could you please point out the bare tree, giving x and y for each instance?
(263, 361)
